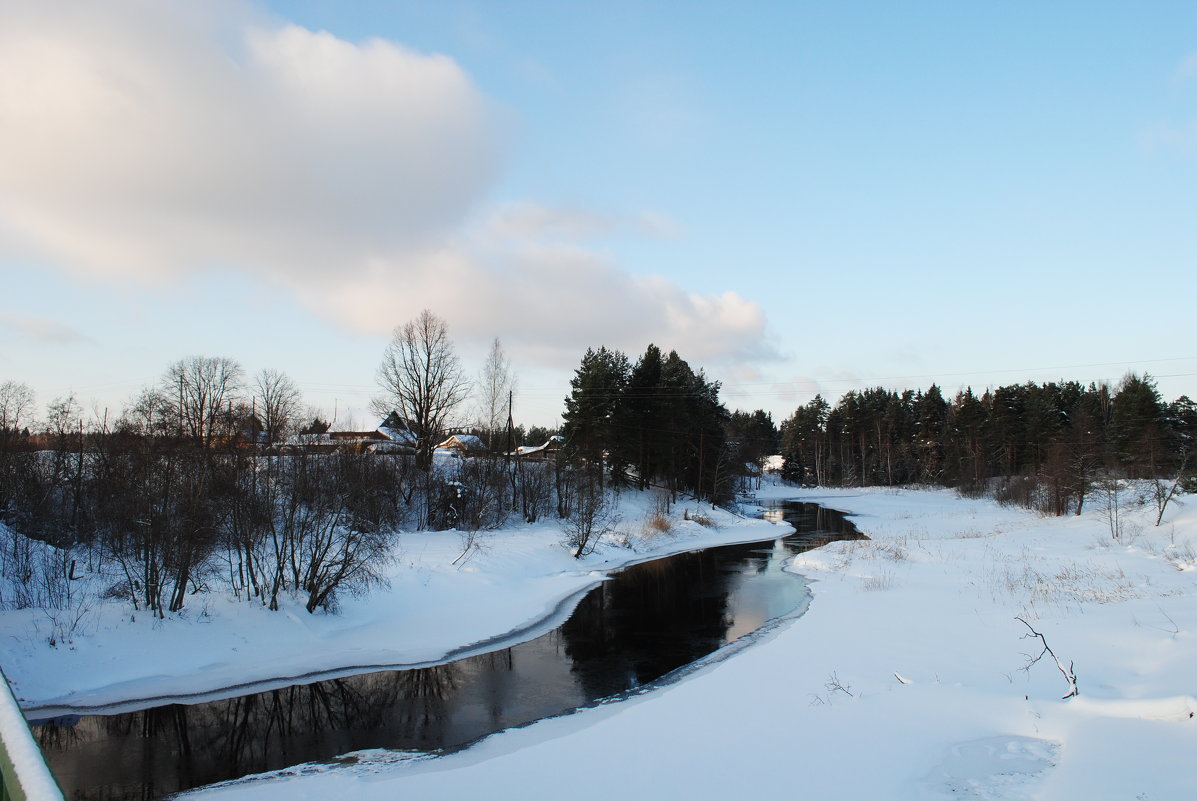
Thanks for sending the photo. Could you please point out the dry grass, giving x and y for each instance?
(1182, 556)
(880, 582)
(893, 550)
(1070, 582)
(657, 523)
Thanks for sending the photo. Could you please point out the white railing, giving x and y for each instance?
(26, 777)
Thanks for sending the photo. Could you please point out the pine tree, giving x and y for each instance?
(638, 421)
(596, 389)
(1137, 430)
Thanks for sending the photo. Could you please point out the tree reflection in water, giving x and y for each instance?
(634, 628)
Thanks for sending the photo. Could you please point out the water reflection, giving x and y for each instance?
(645, 622)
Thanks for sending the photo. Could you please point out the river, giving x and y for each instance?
(645, 623)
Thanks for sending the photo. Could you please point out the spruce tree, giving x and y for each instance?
(638, 421)
(596, 390)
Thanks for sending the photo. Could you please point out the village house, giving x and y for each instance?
(393, 435)
(464, 445)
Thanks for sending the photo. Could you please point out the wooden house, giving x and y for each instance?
(464, 444)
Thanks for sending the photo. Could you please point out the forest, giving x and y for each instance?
(1046, 446)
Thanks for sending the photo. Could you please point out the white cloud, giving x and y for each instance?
(150, 139)
(41, 329)
(145, 141)
(534, 221)
(658, 226)
(550, 301)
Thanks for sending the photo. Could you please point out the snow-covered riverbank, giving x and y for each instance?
(514, 582)
(905, 680)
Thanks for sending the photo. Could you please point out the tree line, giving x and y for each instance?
(1041, 444)
(200, 482)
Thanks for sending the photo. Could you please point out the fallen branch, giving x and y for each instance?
(1069, 673)
(834, 683)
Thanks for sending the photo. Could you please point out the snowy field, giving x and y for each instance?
(908, 678)
(904, 680)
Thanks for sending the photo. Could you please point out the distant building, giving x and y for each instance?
(393, 435)
(464, 444)
(540, 453)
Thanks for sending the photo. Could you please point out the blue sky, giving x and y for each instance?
(798, 197)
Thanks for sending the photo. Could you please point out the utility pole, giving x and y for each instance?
(510, 425)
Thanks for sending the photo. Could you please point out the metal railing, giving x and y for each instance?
(26, 776)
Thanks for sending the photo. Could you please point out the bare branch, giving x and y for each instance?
(1069, 673)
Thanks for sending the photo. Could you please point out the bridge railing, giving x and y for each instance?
(26, 776)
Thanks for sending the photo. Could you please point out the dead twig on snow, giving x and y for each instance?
(1069, 673)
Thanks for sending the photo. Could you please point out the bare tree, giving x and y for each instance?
(535, 485)
(592, 517)
(63, 416)
(276, 399)
(421, 379)
(16, 399)
(496, 386)
(1164, 490)
(201, 389)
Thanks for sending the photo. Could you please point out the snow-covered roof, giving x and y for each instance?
(384, 446)
(307, 439)
(469, 442)
(400, 435)
(551, 444)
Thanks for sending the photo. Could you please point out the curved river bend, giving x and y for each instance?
(645, 622)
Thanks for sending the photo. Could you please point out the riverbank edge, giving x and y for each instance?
(189, 686)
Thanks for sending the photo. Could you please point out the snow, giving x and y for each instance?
(513, 584)
(932, 599)
(398, 435)
(907, 678)
(466, 442)
(23, 754)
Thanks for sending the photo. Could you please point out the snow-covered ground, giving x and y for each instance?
(512, 584)
(904, 680)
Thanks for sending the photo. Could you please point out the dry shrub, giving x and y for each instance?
(657, 523)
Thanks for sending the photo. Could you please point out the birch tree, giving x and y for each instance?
(496, 386)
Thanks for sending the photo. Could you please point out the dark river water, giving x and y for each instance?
(647, 621)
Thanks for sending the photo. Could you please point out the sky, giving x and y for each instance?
(798, 197)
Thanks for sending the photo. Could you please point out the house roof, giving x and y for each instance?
(468, 442)
(399, 435)
(551, 444)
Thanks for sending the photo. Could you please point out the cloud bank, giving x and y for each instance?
(146, 141)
